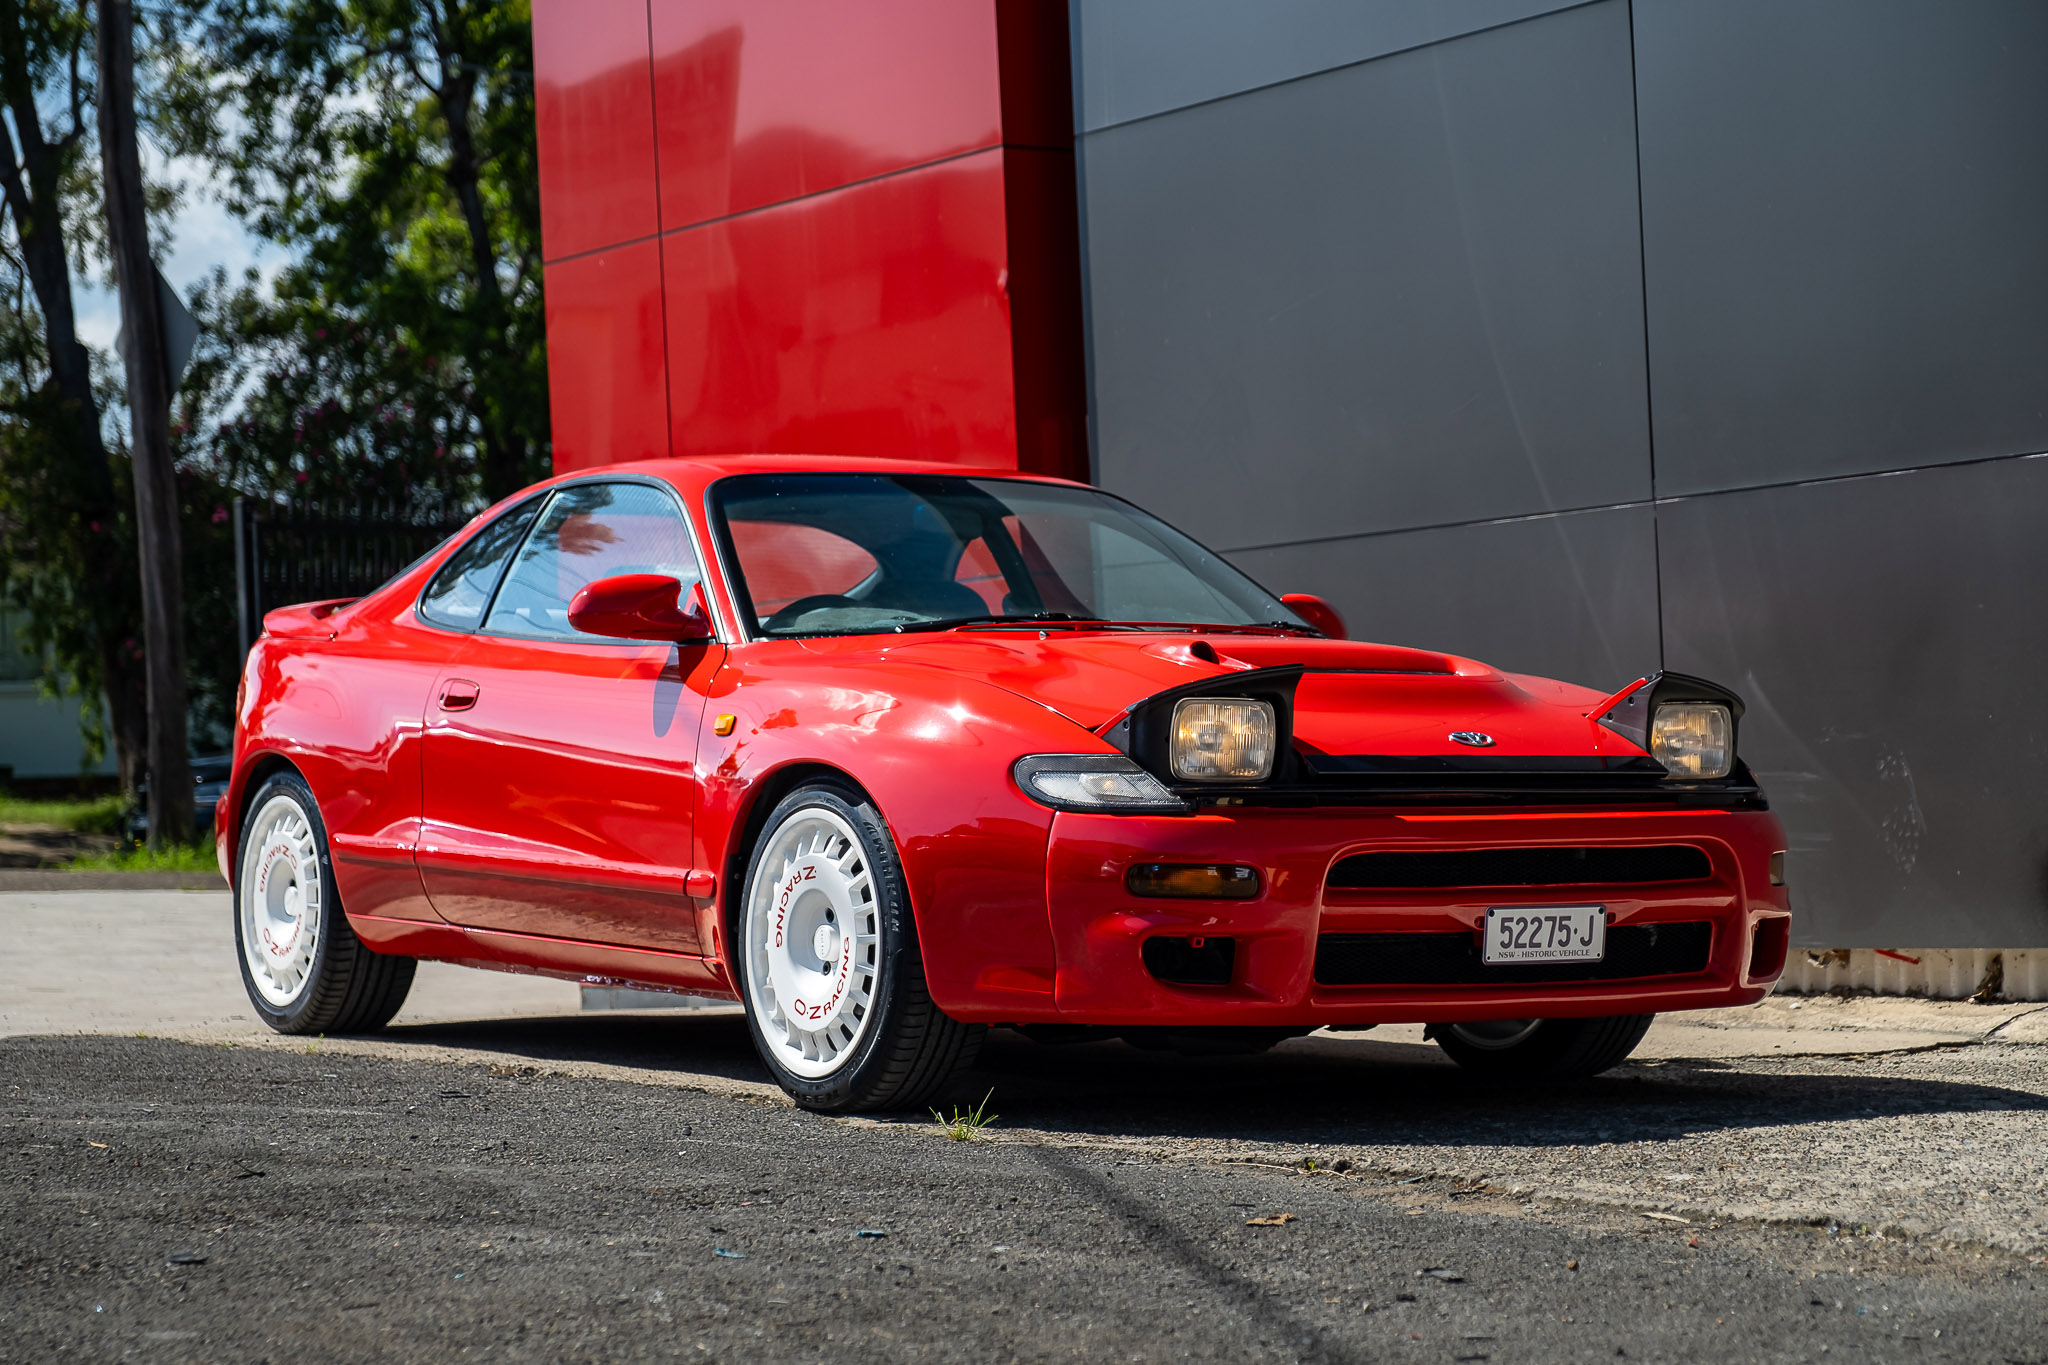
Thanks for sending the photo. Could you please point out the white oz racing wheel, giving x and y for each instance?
(280, 901)
(305, 970)
(830, 971)
(814, 941)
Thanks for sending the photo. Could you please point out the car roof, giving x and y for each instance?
(691, 473)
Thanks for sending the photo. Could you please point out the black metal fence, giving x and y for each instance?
(293, 552)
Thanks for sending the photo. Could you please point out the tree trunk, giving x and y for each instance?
(149, 406)
(504, 451)
(32, 195)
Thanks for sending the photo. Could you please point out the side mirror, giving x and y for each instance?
(1317, 613)
(641, 606)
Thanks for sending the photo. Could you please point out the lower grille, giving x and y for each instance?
(1613, 866)
(1453, 959)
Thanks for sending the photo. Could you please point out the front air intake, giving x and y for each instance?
(1436, 959)
(1438, 868)
(1194, 961)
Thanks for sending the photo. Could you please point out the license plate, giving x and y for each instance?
(1546, 933)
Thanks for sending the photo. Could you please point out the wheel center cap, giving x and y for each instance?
(825, 943)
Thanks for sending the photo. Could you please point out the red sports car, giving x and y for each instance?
(892, 752)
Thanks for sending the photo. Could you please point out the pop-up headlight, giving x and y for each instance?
(1223, 739)
(1693, 739)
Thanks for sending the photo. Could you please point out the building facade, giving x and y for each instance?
(1580, 338)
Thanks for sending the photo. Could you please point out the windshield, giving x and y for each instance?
(855, 554)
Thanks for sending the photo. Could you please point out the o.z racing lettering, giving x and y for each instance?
(807, 873)
(839, 981)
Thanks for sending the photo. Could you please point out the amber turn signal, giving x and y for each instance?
(723, 725)
(1193, 881)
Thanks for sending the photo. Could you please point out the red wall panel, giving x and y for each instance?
(607, 377)
(873, 320)
(594, 114)
(867, 237)
(760, 101)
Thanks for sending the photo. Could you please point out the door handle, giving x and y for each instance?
(458, 694)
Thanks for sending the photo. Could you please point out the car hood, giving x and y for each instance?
(1356, 698)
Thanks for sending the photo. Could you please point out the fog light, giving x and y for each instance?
(1194, 881)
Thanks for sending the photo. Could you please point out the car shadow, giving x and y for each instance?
(1325, 1090)
(1307, 1091)
(678, 1043)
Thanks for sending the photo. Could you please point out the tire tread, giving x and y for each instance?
(355, 990)
(1561, 1050)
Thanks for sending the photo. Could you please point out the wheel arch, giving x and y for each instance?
(760, 802)
(257, 770)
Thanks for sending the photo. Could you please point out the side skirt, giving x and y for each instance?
(568, 959)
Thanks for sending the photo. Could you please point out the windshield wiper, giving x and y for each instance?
(1003, 618)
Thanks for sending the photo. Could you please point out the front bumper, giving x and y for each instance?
(1099, 928)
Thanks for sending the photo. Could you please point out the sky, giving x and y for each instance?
(204, 235)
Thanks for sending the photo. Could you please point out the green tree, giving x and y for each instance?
(390, 146)
(67, 547)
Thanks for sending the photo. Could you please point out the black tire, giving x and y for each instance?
(1547, 1050)
(345, 988)
(902, 1050)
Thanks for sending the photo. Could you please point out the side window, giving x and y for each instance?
(458, 594)
(589, 531)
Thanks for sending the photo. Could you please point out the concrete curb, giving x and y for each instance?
(56, 879)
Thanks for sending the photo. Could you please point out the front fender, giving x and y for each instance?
(934, 752)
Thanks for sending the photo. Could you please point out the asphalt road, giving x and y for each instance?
(621, 1189)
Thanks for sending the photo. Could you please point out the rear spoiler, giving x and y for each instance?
(306, 620)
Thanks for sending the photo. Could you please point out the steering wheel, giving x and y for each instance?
(804, 605)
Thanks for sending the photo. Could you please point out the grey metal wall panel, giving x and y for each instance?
(1135, 58)
(1887, 635)
(1843, 204)
(1400, 294)
(1571, 596)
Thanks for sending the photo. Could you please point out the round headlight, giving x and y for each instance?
(1693, 739)
(1223, 739)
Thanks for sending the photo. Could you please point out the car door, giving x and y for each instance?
(559, 782)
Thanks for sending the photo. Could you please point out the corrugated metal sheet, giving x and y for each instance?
(1936, 973)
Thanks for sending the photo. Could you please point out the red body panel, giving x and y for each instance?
(583, 817)
(559, 801)
(1098, 926)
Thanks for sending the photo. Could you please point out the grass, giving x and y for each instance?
(177, 858)
(94, 815)
(966, 1123)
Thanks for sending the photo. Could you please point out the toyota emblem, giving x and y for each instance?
(1473, 738)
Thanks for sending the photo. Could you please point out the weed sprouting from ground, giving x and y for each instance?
(967, 1122)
